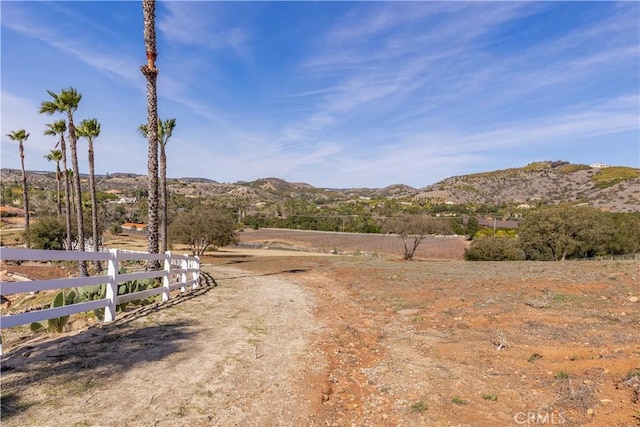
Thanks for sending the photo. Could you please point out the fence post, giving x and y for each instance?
(184, 265)
(196, 274)
(166, 279)
(112, 286)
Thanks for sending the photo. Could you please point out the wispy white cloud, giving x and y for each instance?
(198, 23)
(107, 60)
(387, 92)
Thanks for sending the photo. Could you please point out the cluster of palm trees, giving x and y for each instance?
(157, 131)
(66, 102)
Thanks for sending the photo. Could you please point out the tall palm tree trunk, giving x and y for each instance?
(67, 199)
(73, 142)
(58, 201)
(150, 72)
(163, 200)
(94, 207)
(25, 194)
(67, 193)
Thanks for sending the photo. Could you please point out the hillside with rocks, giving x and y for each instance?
(611, 188)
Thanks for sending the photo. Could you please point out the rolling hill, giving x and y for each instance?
(611, 188)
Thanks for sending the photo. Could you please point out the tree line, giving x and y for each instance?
(563, 232)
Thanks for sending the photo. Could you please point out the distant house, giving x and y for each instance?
(11, 211)
(134, 227)
(497, 223)
(127, 200)
(600, 165)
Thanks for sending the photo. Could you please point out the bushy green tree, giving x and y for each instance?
(562, 232)
(494, 249)
(626, 234)
(473, 226)
(203, 228)
(47, 233)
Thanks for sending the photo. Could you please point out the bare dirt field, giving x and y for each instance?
(337, 340)
(433, 247)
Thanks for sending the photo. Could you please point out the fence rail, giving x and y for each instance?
(180, 271)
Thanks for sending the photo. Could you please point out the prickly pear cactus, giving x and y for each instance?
(57, 324)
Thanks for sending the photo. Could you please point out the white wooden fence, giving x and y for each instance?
(179, 271)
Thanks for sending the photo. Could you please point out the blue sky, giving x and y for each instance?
(335, 94)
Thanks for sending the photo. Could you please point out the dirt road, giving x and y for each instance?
(227, 356)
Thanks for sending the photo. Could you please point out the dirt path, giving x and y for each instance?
(228, 356)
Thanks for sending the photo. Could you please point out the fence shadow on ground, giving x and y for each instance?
(80, 362)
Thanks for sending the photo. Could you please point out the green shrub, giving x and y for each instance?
(115, 229)
(47, 233)
(494, 249)
(420, 406)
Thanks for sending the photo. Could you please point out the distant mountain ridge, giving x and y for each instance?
(615, 188)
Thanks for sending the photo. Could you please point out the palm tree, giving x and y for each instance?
(58, 128)
(89, 129)
(56, 156)
(74, 206)
(150, 72)
(21, 136)
(165, 131)
(67, 102)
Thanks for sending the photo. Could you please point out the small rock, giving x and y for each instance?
(587, 382)
(604, 401)
(590, 411)
(385, 416)
(633, 299)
